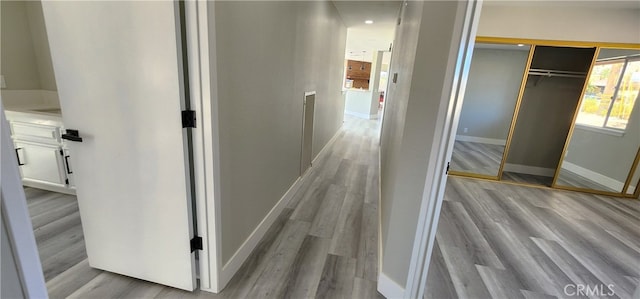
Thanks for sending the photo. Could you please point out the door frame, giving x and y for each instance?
(200, 52)
(434, 187)
(202, 67)
(15, 215)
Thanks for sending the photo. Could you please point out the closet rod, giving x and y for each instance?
(556, 73)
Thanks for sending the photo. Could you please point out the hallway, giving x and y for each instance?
(324, 244)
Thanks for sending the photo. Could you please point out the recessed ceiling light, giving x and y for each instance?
(368, 22)
(520, 45)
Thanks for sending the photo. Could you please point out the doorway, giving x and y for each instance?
(119, 143)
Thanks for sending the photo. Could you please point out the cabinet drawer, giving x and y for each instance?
(27, 131)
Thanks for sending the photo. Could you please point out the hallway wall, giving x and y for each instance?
(424, 58)
(268, 54)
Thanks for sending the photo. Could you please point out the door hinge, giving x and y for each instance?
(66, 181)
(196, 243)
(61, 152)
(447, 172)
(188, 119)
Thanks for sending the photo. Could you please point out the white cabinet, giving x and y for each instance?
(44, 160)
(41, 163)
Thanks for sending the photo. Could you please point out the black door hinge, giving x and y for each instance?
(61, 152)
(66, 181)
(196, 243)
(447, 172)
(188, 119)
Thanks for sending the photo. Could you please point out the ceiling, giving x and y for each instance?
(368, 37)
(611, 4)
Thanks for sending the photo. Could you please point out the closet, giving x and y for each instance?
(559, 114)
(553, 86)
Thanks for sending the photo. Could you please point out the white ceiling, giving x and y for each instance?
(368, 37)
(607, 4)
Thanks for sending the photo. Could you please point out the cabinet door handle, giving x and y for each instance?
(66, 163)
(18, 157)
(72, 135)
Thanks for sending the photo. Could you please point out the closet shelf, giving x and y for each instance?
(556, 73)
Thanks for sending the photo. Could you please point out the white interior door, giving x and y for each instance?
(119, 81)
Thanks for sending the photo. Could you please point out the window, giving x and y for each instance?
(611, 93)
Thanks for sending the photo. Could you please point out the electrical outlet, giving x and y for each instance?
(2, 83)
(466, 130)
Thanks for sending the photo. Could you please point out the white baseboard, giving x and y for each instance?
(361, 115)
(526, 169)
(389, 288)
(327, 146)
(241, 255)
(594, 176)
(481, 140)
(48, 187)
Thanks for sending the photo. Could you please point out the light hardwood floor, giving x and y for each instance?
(324, 244)
(476, 157)
(497, 240)
(572, 179)
(527, 178)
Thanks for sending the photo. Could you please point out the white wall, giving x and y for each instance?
(25, 56)
(423, 60)
(18, 57)
(268, 55)
(41, 45)
(359, 103)
(563, 20)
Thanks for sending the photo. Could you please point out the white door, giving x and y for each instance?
(117, 69)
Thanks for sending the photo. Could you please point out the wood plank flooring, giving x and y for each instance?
(324, 244)
(527, 178)
(572, 179)
(476, 157)
(497, 240)
(494, 240)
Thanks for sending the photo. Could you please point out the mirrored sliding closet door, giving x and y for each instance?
(493, 85)
(602, 149)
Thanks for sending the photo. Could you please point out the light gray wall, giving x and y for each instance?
(18, 57)
(606, 154)
(269, 53)
(545, 116)
(422, 59)
(594, 21)
(10, 286)
(492, 92)
(41, 45)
